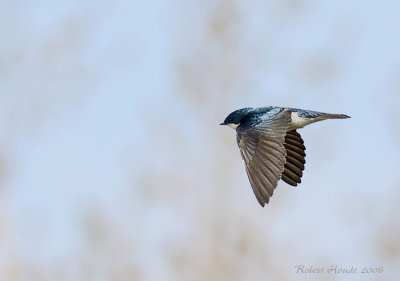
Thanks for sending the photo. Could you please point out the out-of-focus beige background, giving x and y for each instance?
(113, 166)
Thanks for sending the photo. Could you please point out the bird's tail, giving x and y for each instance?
(332, 116)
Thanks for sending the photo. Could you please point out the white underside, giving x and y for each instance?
(233, 126)
(299, 122)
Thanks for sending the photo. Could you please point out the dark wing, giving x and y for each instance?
(263, 151)
(295, 158)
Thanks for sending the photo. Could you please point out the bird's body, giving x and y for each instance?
(270, 146)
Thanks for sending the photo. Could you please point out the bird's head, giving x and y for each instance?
(234, 119)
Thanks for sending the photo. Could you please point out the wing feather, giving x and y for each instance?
(295, 158)
(296, 149)
(263, 151)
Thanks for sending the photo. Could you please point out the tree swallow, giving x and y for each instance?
(270, 146)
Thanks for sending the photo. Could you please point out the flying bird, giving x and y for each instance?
(270, 145)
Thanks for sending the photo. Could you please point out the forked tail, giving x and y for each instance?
(332, 116)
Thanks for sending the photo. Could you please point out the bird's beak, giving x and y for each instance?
(222, 123)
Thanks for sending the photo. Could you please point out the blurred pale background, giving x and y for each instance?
(113, 165)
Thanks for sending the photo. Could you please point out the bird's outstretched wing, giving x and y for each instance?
(295, 158)
(264, 153)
